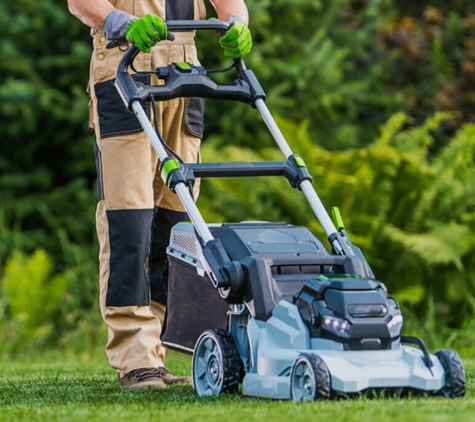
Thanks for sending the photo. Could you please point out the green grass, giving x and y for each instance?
(57, 388)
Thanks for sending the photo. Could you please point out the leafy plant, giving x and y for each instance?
(31, 294)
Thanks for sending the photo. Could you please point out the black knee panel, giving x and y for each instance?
(129, 238)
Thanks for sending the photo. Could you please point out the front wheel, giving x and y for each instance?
(309, 379)
(217, 366)
(454, 374)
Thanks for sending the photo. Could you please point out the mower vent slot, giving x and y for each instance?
(185, 242)
(300, 269)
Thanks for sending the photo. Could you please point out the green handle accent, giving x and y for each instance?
(299, 161)
(337, 218)
(183, 66)
(168, 167)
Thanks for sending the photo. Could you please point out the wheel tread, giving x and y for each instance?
(232, 361)
(455, 373)
(322, 375)
(231, 364)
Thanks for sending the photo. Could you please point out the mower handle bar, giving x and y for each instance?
(192, 81)
(178, 26)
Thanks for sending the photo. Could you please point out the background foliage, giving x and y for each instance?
(378, 98)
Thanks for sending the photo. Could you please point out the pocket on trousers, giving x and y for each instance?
(114, 117)
(194, 116)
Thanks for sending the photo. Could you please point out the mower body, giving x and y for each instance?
(300, 299)
(276, 344)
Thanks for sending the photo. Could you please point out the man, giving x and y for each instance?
(136, 211)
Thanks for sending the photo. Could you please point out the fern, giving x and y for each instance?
(412, 213)
(418, 139)
(443, 245)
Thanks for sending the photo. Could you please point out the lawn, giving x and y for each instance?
(58, 388)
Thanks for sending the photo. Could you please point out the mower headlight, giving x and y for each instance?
(340, 327)
(395, 325)
(367, 311)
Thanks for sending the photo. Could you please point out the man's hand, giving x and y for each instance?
(237, 40)
(146, 32)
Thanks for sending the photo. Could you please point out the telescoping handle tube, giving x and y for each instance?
(306, 186)
(180, 188)
(215, 270)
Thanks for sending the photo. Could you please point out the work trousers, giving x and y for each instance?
(135, 210)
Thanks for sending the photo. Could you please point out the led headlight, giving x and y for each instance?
(367, 311)
(340, 327)
(395, 325)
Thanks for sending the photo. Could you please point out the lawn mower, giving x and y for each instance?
(265, 305)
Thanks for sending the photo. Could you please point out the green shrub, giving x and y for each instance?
(31, 296)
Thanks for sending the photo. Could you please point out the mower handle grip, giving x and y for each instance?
(196, 25)
(191, 83)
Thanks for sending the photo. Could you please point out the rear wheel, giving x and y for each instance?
(309, 379)
(454, 374)
(217, 367)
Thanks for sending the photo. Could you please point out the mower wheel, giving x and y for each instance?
(309, 379)
(217, 366)
(454, 374)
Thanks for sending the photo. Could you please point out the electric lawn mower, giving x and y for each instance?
(266, 305)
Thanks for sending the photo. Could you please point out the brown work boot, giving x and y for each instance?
(142, 378)
(170, 378)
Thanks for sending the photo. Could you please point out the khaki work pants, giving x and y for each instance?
(130, 190)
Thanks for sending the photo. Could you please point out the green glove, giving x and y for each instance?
(146, 32)
(237, 40)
